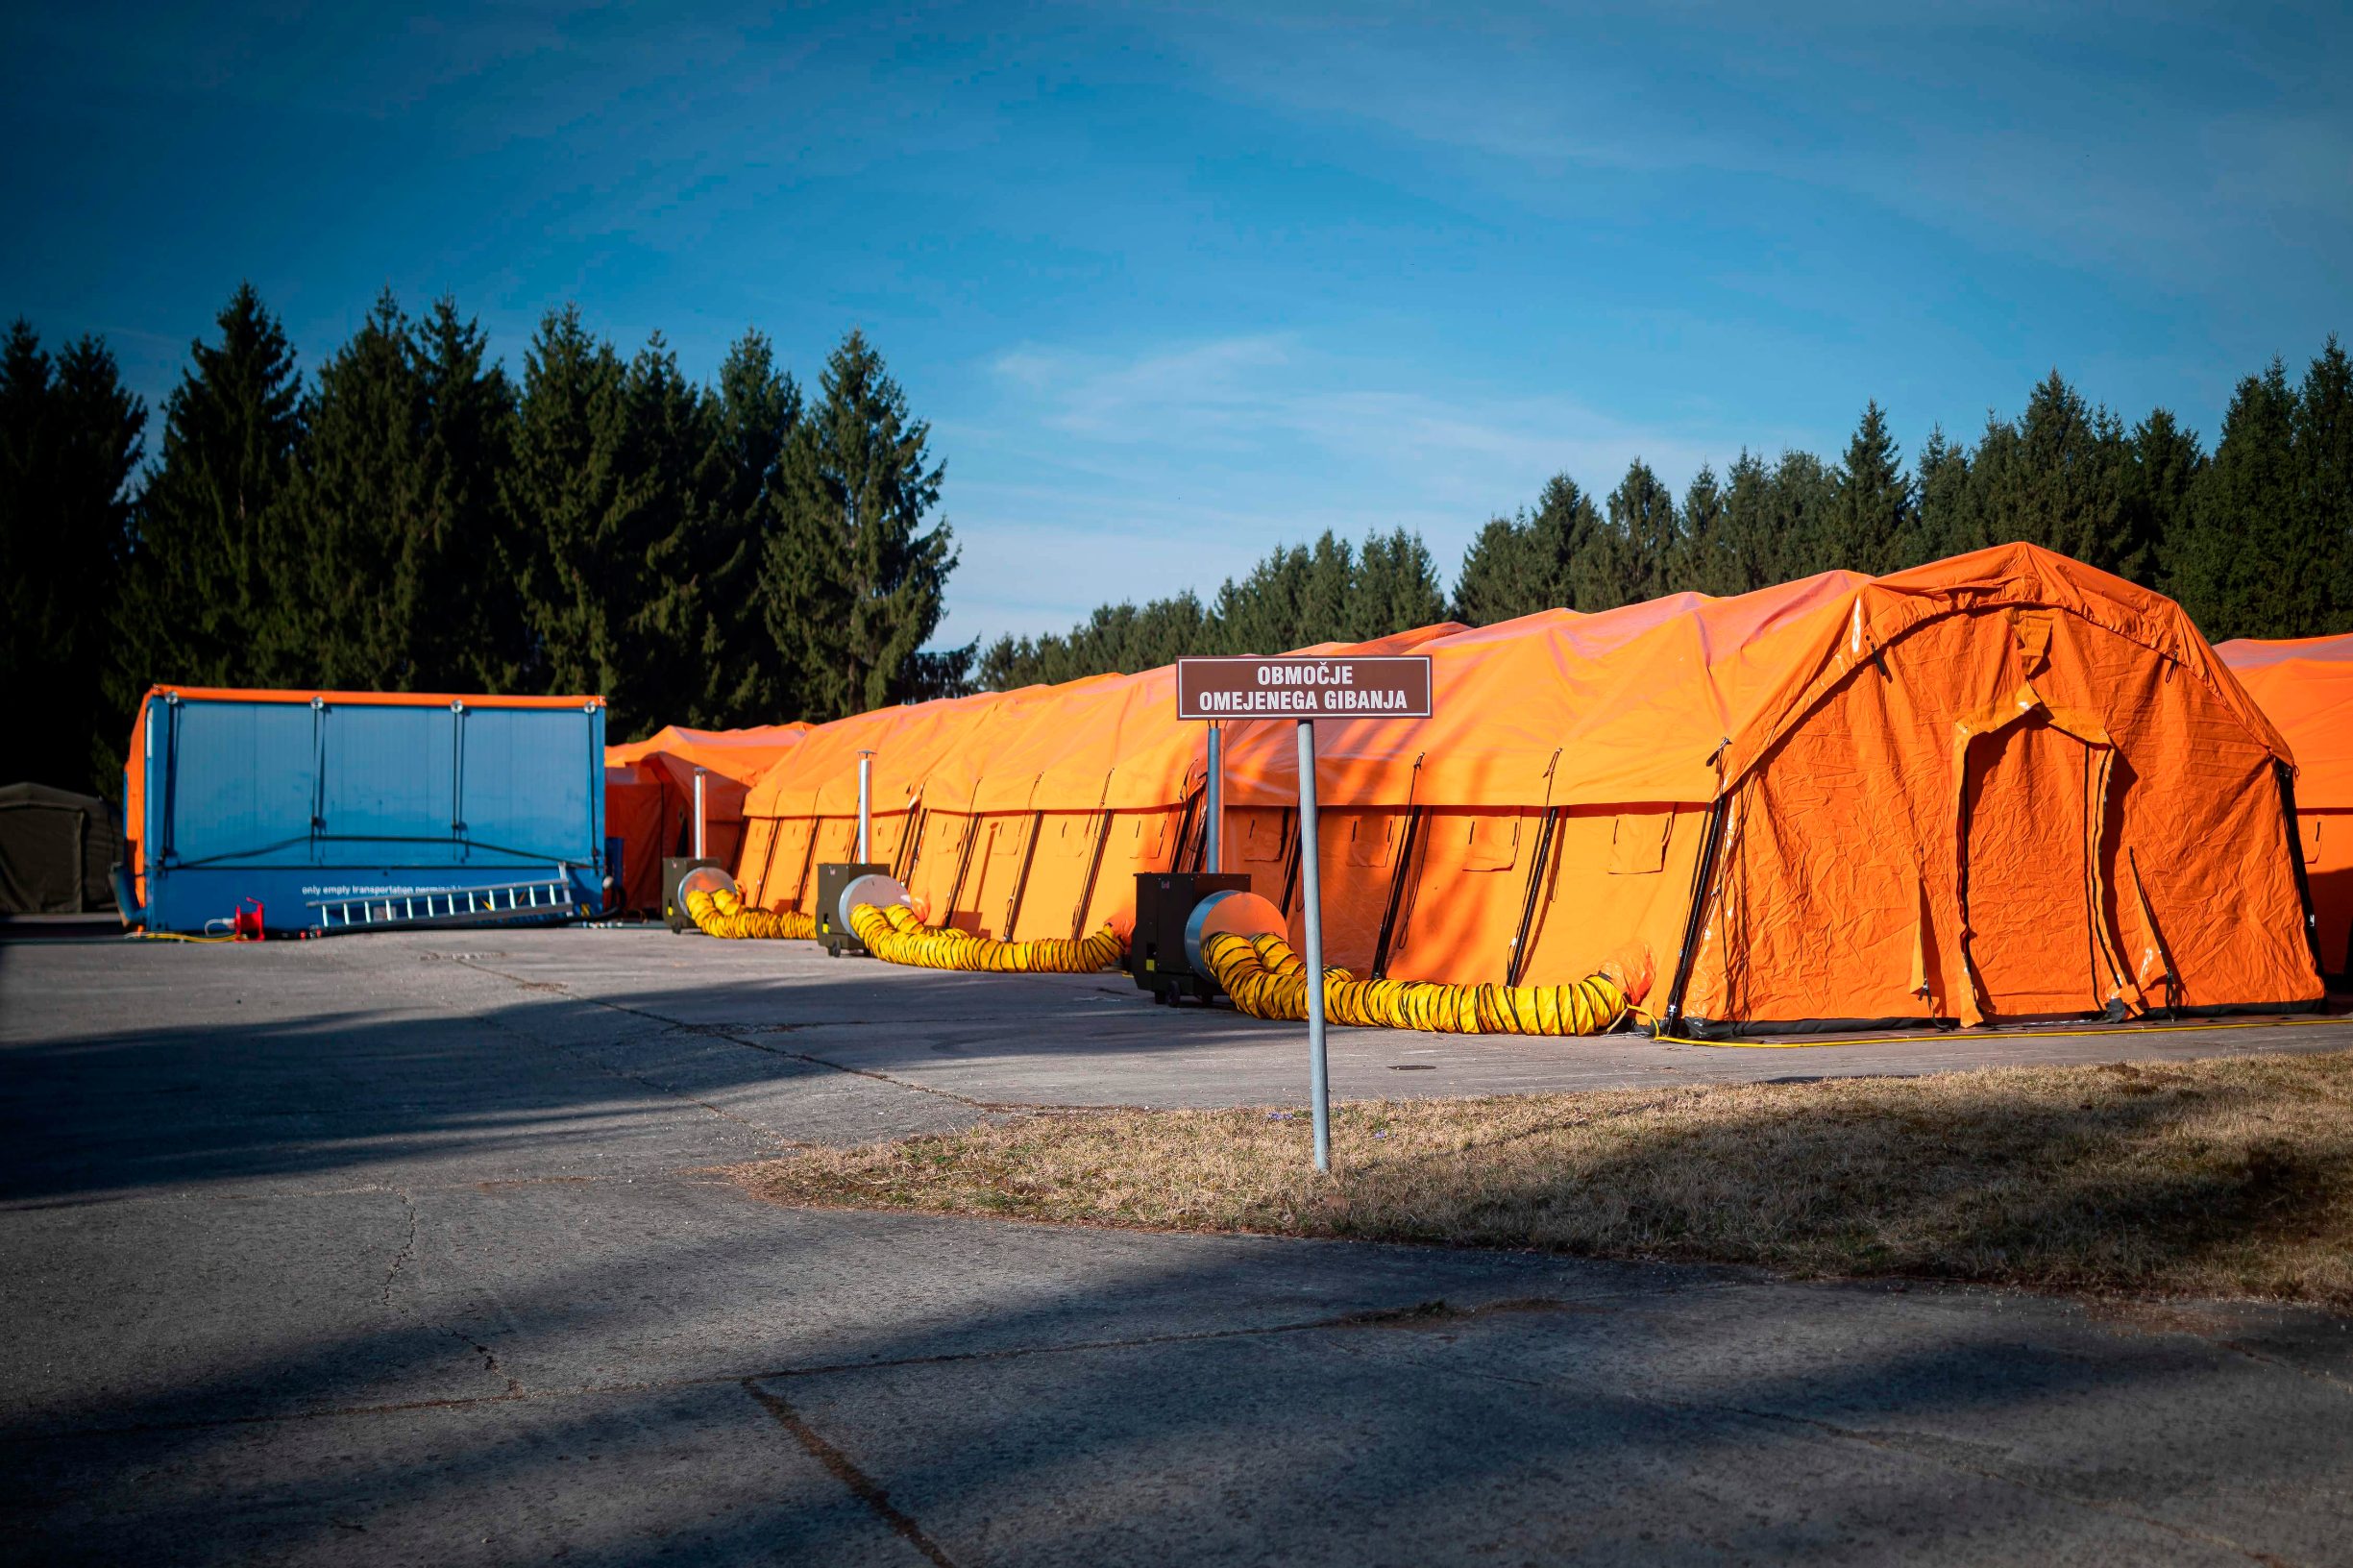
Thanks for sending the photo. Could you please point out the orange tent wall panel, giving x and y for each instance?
(1057, 874)
(1259, 840)
(1357, 860)
(996, 871)
(2326, 841)
(1133, 841)
(1083, 870)
(939, 860)
(633, 815)
(2305, 687)
(1614, 885)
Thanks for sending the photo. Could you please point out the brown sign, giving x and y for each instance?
(1388, 686)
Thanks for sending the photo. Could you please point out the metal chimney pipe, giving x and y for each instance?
(698, 814)
(866, 805)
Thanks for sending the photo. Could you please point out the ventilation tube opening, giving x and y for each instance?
(717, 909)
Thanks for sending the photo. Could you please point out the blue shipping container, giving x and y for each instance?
(309, 803)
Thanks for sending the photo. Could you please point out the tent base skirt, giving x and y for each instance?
(1727, 1031)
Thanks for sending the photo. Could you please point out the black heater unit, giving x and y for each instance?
(1165, 901)
(674, 869)
(832, 876)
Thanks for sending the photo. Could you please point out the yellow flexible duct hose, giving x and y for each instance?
(895, 936)
(722, 913)
(1267, 980)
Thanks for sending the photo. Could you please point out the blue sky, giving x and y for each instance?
(1174, 283)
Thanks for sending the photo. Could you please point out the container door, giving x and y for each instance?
(387, 785)
(524, 787)
(239, 783)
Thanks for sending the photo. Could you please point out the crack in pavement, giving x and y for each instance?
(490, 1362)
(862, 1485)
(1419, 1314)
(408, 1245)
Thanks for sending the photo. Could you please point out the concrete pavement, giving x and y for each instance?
(409, 1248)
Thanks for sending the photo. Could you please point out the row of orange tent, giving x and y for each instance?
(2002, 786)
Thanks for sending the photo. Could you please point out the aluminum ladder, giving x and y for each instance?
(542, 897)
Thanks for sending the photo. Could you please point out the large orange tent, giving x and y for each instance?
(2305, 687)
(649, 796)
(2002, 786)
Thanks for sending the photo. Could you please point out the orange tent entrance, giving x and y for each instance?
(2305, 687)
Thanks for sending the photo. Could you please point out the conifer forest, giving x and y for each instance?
(411, 514)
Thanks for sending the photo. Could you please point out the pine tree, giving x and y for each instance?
(1707, 562)
(2323, 506)
(1940, 523)
(1870, 516)
(561, 494)
(853, 581)
(2242, 572)
(1774, 518)
(358, 487)
(1115, 637)
(1752, 549)
(476, 636)
(70, 444)
(1265, 611)
(670, 628)
(753, 412)
(1396, 587)
(1633, 558)
(2058, 479)
(214, 583)
(2166, 461)
(1520, 565)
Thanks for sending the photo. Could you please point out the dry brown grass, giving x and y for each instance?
(2227, 1176)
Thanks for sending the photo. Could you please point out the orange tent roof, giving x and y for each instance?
(1108, 743)
(2306, 688)
(819, 776)
(1108, 740)
(1634, 704)
(741, 754)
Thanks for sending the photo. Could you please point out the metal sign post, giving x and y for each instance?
(1386, 686)
(1212, 837)
(1312, 911)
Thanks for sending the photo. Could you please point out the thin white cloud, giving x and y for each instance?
(1179, 465)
